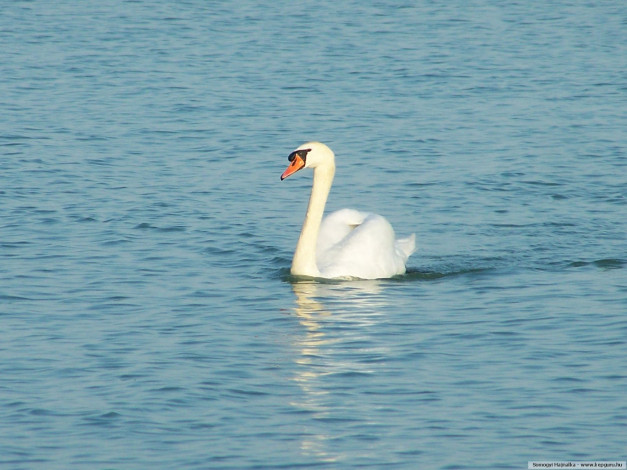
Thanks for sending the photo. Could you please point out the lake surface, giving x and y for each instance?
(148, 316)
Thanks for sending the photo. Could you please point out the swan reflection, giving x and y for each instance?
(334, 316)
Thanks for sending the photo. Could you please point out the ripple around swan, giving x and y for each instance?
(419, 275)
(610, 263)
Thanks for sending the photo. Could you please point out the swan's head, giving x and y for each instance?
(309, 155)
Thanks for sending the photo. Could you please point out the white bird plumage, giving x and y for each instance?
(347, 243)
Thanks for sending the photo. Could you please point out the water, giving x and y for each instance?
(148, 316)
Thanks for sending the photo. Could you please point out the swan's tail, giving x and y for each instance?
(406, 246)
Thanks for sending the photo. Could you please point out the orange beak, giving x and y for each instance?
(297, 164)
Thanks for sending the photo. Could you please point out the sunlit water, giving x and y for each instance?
(147, 312)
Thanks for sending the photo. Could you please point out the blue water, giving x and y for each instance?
(147, 313)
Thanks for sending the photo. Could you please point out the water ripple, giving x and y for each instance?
(149, 317)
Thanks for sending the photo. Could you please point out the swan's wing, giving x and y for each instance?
(363, 245)
(337, 226)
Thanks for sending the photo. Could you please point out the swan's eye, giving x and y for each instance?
(301, 153)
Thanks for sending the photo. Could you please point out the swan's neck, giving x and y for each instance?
(304, 262)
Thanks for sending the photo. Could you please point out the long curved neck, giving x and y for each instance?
(304, 261)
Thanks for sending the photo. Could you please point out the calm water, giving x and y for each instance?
(147, 313)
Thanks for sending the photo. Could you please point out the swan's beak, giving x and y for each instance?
(296, 165)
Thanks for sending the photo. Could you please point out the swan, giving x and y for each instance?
(347, 243)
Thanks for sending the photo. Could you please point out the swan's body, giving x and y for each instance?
(347, 243)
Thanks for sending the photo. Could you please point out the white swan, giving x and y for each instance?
(347, 243)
